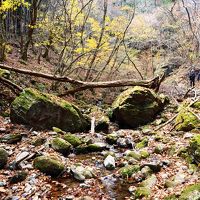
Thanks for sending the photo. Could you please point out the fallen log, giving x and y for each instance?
(81, 85)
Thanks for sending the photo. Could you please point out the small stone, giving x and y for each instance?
(2, 130)
(109, 162)
(83, 185)
(18, 177)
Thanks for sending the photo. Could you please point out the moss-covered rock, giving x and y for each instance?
(95, 147)
(48, 165)
(129, 170)
(186, 121)
(194, 148)
(60, 145)
(133, 154)
(144, 153)
(196, 105)
(190, 192)
(112, 138)
(11, 138)
(81, 149)
(144, 189)
(72, 139)
(136, 106)
(142, 144)
(3, 157)
(45, 111)
(4, 73)
(142, 192)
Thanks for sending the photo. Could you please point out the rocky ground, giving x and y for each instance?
(151, 162)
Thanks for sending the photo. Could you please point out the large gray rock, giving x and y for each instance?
(45, 111)
(136, 106)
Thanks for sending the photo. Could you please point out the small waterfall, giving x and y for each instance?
(92, 125)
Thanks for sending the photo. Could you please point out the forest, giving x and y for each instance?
(99, 99)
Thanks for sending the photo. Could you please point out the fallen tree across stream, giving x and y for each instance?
(82, 85)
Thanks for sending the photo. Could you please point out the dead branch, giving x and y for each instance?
(15, 88)
(185, 95)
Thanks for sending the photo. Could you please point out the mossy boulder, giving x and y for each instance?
(72, 139)
(4, 73)
(129, 170)
(194, 148)
(3, 157)
(48, 165)
(60, 145)
(11, 138)
(186, 121)
(44, 111)
(136, 106)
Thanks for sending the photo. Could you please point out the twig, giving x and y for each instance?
(169, 121)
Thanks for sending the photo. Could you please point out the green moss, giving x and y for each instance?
(186, 121)
(39, 141)
(11, 138)
(196, 105)
(72, 139)
(4, 73)
(171, 197)
(48, 165)
(60, 145)
(194, 148)
(3, 157)
(58, 130)
(81, 149)
(134, 154)
(45, 111)
(191, 192)
(129, 170)
(142, 192)
(144, 153)
(111, 138)
(96, 147)
(136, 106)
(142, 144)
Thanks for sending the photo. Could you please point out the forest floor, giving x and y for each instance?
(106, 184)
